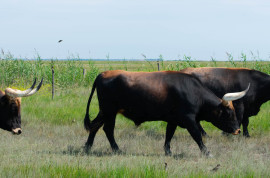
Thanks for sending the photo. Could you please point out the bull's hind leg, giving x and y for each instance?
(169, 134)
(94, 127)
(108, 128)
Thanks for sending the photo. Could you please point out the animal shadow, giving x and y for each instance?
(80, 151)
(154, 134)
(179, 156)
(71, 150)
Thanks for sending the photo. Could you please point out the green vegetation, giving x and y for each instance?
(53, 137)
(69, 73)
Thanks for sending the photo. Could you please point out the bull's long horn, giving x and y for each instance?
(18, 93)
(36, 89)
(236, 95)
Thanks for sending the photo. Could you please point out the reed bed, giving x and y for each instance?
(77, 72)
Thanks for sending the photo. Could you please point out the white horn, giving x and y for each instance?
(36, 89)
(18, 93)
(236, 95)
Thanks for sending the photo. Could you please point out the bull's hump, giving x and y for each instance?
(112, 73)
(209, 69)
(115, 73)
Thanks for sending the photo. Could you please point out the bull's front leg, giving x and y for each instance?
(194, 131)
(242, 118)
(245, 123)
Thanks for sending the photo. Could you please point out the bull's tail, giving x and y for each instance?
(87, 121)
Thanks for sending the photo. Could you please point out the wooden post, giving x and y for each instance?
(52, 82)
(84, 73)
(158, 65)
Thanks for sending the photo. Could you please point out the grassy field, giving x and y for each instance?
(53, 137)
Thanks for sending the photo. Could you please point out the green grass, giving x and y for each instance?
(70, 171)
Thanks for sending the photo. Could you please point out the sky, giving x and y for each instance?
(124, 29)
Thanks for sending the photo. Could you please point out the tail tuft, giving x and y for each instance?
(87, 122)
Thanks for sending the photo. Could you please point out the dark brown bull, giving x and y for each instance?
(10, 107)
(223, 80)
(174, 97)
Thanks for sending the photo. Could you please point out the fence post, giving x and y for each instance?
(52, 82)
(84, 73)
(158, 64)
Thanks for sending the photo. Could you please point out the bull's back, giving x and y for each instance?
(222, 80)
(155, 87)
(146, 95)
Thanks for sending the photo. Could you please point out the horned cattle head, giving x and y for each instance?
(225, 113)
(10, 107)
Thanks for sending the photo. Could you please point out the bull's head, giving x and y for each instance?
(225, 114)
(10, 107)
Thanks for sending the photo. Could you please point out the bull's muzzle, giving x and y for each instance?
(237, 132)
(17, 131)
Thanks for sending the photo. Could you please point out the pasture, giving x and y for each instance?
(53, 137)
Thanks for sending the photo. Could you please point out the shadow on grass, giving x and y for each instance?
(179, 156)
(80, 151)
(154, 134)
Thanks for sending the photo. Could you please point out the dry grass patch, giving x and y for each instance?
(46, 150)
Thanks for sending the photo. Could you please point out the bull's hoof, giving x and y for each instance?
(87, 149)
(168, 153)
(117, 151)
(208, 154)
(167, 150)
(246, 135)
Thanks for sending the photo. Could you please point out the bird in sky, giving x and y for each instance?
(60, 41)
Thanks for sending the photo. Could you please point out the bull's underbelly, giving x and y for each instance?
(140, 116)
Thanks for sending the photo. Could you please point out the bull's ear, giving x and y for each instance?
(224, 102)
(228, 104)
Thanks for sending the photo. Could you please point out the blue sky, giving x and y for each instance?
(126, 29)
